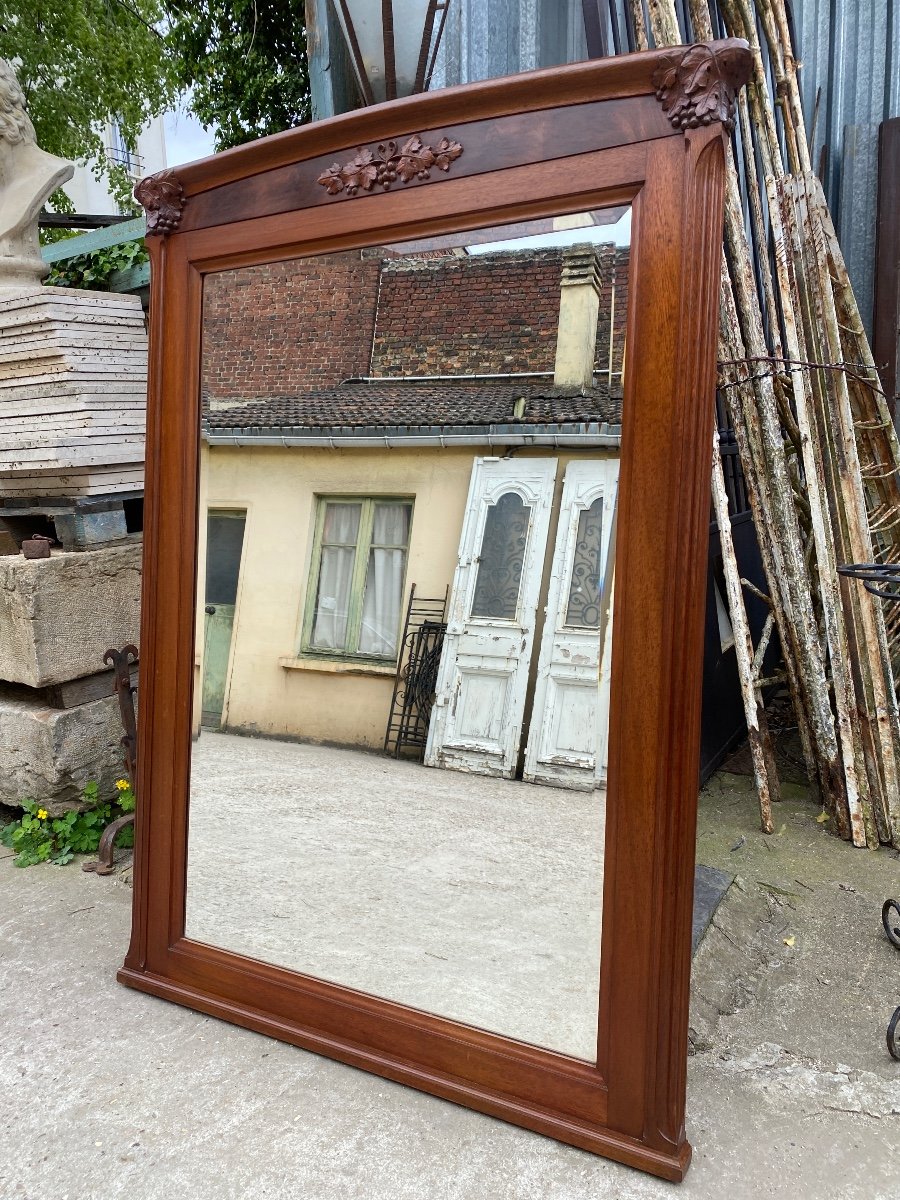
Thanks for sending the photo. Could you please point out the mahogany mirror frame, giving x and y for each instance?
(648, 130)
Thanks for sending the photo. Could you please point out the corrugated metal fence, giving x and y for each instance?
(851, 83)
(850, 51)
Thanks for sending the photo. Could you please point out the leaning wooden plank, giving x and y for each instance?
(764, 773)
(741, 22)
(853, 333)
(881, 706)
(663, 22)
(782, 528)
(829, 590)
(769, 481)
(758, 220)
(825, 431)
(787, 82)
(740, 411)
(872, 424)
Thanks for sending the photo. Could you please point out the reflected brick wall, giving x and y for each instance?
(285, 329)
(470, 315)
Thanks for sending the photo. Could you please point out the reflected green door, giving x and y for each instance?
(216, 649)
(224, 543)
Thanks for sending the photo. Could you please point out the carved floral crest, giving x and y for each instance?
(699, 84)
(162, 197)
(387, 163)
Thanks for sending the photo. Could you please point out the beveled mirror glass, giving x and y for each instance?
(408, 486)
(431, 398)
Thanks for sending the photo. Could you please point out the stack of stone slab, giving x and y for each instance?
(59, 718)
(73, 380)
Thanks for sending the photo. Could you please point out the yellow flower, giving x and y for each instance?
(123, 785)
(42, 814)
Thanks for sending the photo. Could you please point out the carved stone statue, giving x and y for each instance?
(28, 175)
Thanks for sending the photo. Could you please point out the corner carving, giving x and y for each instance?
(698, 85)
(162, 198)
(388, 163)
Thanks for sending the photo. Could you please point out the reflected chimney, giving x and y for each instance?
(579, 309)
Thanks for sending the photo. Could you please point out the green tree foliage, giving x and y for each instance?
(84, 62)
(245, 62)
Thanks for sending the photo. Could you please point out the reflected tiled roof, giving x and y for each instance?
(416, 405)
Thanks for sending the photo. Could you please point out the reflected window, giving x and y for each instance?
(583, 607)
(500, 561)
(357, 576)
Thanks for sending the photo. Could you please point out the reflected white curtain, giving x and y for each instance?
(384, 581)
(341, 525)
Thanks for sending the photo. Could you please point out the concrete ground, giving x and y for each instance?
(110, 1093)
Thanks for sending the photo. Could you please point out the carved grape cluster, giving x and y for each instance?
(699, 85)
(162, 198)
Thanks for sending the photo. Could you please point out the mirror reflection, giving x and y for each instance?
(407, 539)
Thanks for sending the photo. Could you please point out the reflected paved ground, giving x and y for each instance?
(477, 899)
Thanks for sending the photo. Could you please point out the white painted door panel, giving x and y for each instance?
(483, 677)
(568, 735)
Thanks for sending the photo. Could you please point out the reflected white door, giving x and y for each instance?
(568, 736)
(483, 677)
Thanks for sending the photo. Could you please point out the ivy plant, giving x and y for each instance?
(93, 270)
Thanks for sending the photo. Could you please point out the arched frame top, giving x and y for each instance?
(637, 130)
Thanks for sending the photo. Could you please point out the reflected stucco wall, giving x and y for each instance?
(322, 701)
(278, 488)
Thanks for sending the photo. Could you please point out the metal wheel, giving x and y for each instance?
(892, 1044)
(890, 919)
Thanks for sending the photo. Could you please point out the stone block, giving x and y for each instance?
(59, 615)
(89, 529)
(48, 754)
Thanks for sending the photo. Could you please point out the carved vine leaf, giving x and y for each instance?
(698, 84)
(388, 163)
(414, 160)
(162, 198)
(448, 152)
(360, 172)
(331, 179)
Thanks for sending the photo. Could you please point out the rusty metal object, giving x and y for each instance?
(121, 661)
(881, 579)
(890, 912)
(104, 863)
(892, 930)
(414, 683)
(37, 546)
(893, 1044)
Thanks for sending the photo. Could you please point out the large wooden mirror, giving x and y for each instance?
(427, 489)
